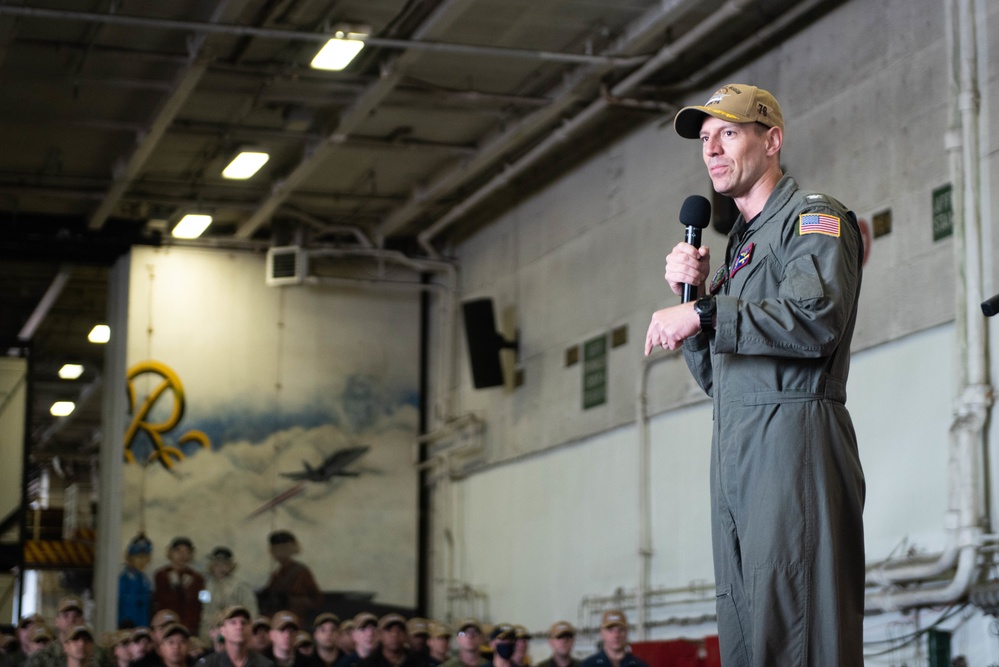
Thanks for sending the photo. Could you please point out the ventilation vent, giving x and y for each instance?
(286, 266)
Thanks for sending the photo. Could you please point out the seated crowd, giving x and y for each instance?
(240, 639)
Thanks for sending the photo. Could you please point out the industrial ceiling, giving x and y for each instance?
(119, 116)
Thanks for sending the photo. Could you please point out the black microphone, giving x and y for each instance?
(990, 306)
(695, 214)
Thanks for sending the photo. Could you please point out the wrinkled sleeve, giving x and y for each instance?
(697, 354)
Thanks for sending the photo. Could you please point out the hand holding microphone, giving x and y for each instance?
(687, 267)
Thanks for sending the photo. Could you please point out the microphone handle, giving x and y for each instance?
(693, 237)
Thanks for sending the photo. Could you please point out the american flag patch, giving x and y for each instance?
(818, 223)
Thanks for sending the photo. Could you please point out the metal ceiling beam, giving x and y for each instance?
(728, 11)
(439, 19)
(45, 304)
(318, 37)
(185, 85)
(638, 36)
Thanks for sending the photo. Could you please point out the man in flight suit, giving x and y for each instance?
(770, 343)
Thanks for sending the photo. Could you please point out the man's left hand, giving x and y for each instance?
(671, 326)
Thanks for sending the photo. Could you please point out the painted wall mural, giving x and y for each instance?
(257, 409)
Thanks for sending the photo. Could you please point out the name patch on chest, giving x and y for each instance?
(743, 259)
(818, 223)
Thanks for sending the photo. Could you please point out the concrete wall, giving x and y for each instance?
(545, 514)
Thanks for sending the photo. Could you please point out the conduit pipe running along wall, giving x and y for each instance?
(967, 439)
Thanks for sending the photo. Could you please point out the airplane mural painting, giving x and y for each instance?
(332, 466)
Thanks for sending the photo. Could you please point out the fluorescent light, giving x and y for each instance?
(71, 371)
(339, 51)
(62, 408)
(246, 164)
(99, 334)
(191, 226)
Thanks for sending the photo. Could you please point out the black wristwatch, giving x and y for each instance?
(705, 309)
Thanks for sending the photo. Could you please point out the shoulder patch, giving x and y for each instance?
(818, 223)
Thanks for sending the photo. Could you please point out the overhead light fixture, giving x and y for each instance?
(245, 164)
(71, 371)
(191, 226)
(337, 53)
(99, 334)
(62, 408)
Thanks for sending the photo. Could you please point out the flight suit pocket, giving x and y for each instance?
(732, 638)
(801, 280)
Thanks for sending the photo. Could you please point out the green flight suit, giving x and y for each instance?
(787, 489)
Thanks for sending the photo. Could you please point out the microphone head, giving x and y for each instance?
(695, 212)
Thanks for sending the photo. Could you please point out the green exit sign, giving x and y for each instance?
(943, 213)
(595, 372)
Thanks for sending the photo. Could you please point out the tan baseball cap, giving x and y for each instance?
(417, 626)
(612, 618)
(70, 602)
(164, 617)
(363, 619)
(176, 629)
(283, 619)
(40, 632)
(81, 631)
(391, 619)
(469, 623)
(560, 628)
(326, 617)
(236, 610)
(737, 103)
(438, 629)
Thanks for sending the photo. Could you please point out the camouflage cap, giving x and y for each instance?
(81, 631)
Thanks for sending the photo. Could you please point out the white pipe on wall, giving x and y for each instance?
(967, 437)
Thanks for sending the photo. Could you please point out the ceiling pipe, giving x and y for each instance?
(185, 85)
(214, 27)
(48, 300)
(393, 72)
(975, 398)
(572, 91)
(590, 114)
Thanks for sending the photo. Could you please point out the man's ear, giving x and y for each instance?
(774, 141)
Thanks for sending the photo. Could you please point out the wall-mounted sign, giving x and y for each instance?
(595, 372)
(943, 213)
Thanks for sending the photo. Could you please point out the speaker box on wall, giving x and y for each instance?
(484, 343)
